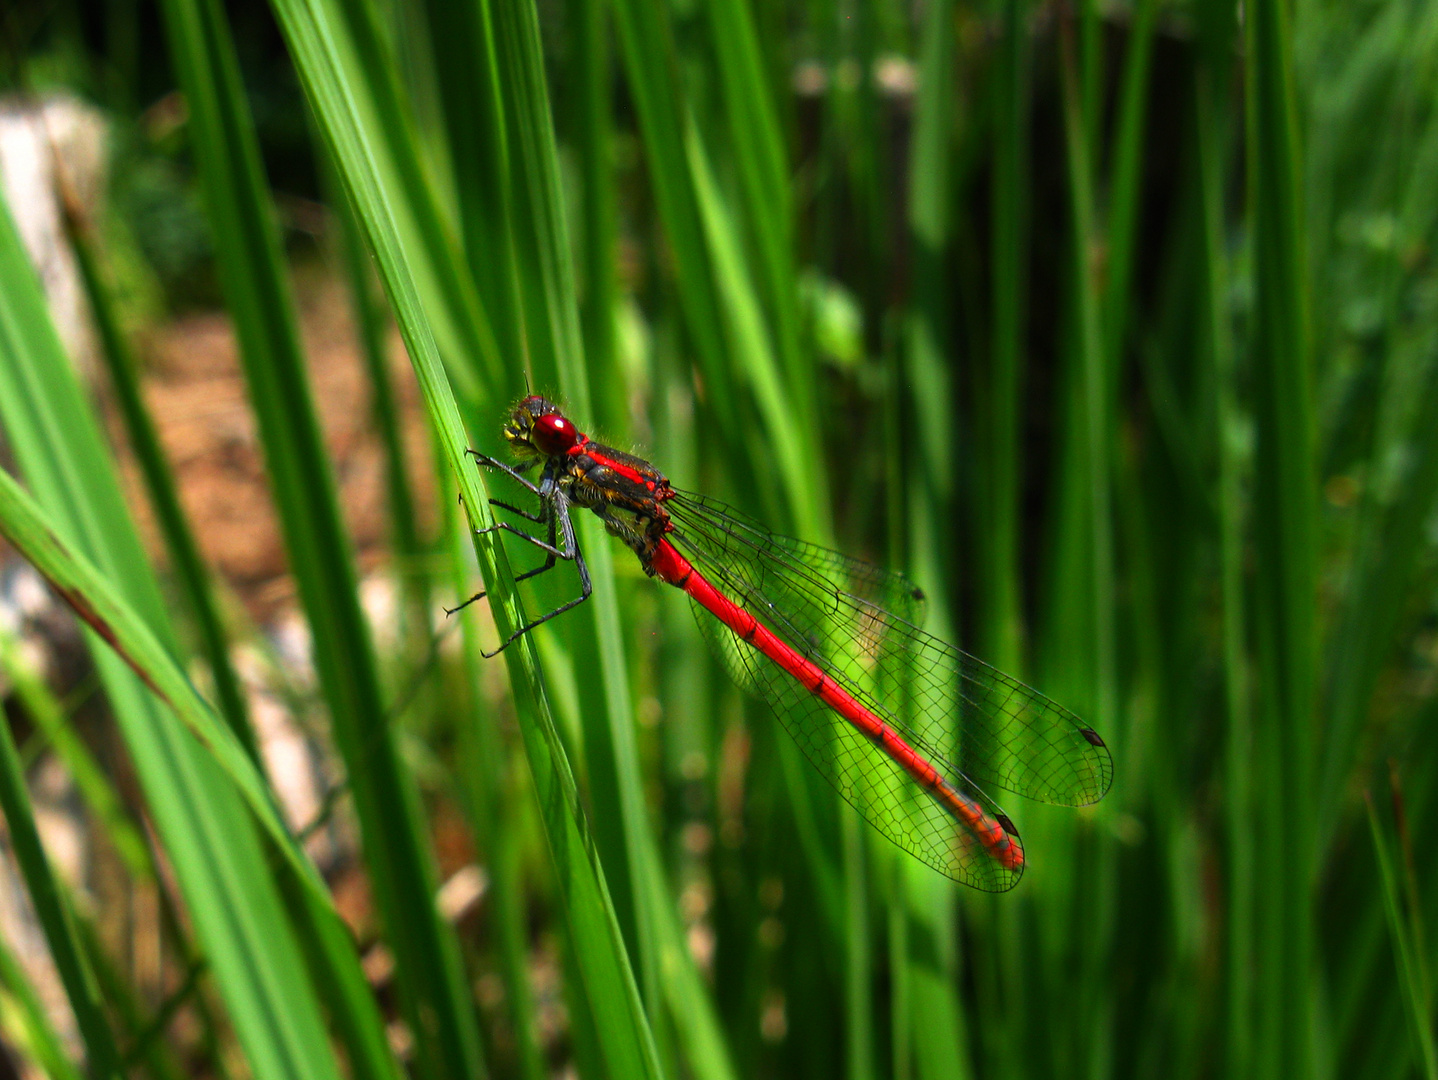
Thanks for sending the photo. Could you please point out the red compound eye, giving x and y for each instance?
(553, 435)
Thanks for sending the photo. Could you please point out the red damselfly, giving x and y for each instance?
(906, 726)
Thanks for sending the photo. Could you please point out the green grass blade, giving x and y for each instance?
(929, 401)
(100, 796)
(465, 62)
(26, 1013)
(1388, 558)
(115, 621)
(1415, 996)
(215, 853)
(552, 328)
(1239, 743)
(325, 48)
(384, 134)
(251, 946)
(490, 799)
(766, 193)
(1125, 196)
(54, 914)
(541, 234)
(372, 324)
(433, 994)
(723, 313)
(160, 482)
(597, 221)
(690, 1000)
(1094, 411)
(790, 448)
(1285, 569)
(1002, 477)
(652, 65)
(625, 838)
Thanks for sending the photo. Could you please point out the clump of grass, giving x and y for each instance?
(1140, 393)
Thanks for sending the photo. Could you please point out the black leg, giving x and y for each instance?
(548, 564)
(586, 590)
(543, 567)
(516, 473)
(538, 519)
(568, 549)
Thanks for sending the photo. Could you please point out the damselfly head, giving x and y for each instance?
(537, 428)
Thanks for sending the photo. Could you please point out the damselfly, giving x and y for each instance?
(906, 726)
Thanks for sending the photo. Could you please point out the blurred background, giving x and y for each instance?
(1113, 326)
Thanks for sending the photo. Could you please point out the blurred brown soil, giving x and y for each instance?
(195, 389)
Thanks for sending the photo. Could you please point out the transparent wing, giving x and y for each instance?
(974, 725)
(864, 581)
(868, 779)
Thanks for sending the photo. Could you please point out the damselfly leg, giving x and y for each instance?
(554, 513)
(514, 472)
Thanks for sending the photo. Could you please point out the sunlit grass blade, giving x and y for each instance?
(551, 327)
(689, 999)
(765, 194)
(790, 448)
(484, 771)
(433, 994)
(372, 325)
(325, 45)
(384, 136)
(597, 223)
(197, 794)
(217, 858)
(464, 57)
(159, 480)
(652, 66)
(723, 314)
(614, 773)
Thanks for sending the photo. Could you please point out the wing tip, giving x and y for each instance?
(991, 864)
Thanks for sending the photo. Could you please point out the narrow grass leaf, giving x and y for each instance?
(27, 1023)
(929, 404)
(52, 909)
(1416, 1000)
(1285, 570)
(54, 727)
(213, 848)
(159, 479)
(552, 330)
(432, 990)
(322, 42)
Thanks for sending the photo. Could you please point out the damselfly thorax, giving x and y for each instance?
(627, 492)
